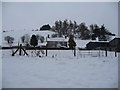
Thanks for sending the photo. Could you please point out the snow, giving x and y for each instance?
(60, 69)
(58, 39)
(42, 44)
(79, 43)
(82, 43)
(18, 34)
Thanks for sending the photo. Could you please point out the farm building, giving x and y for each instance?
(57, 42)
(115, 44)
(95, 45)
(111, 45)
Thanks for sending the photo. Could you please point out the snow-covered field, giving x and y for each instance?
(60, 69)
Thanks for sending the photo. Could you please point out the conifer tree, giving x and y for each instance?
(71, 42)
(34, 41)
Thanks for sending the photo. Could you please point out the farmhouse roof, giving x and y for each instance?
(58, 39)
(42, 44)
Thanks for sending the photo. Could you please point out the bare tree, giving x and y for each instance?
(25, 39)
(40, 38)
(9, 39)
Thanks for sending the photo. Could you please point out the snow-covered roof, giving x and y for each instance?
(82, 43)
(42, 44)
(98, 41)
(58, 39)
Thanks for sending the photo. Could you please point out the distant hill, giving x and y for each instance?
(18, 34)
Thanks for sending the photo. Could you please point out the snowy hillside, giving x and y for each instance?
(86, 70)
(18, 34)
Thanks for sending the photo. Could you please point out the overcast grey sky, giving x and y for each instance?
(32, 15)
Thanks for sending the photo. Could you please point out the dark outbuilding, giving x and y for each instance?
(115, 44)
(96, 45)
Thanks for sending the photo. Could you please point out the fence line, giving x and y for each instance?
(79, 51)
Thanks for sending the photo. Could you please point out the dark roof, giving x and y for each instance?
(115, 39)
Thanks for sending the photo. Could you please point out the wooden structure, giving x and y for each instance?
(20, 49)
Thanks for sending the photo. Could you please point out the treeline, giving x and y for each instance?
(81, 31)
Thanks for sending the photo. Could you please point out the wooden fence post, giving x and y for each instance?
(106, 51)
(74, 52)
(20, 52)
(46, 50)
(115, 52)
